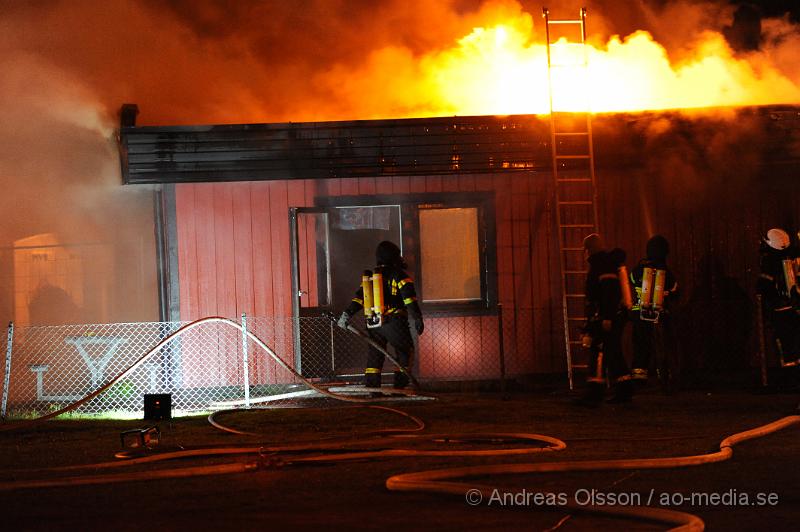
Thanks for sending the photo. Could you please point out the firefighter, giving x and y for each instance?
(605, 321)
(777, 286)
(388, 298)
(656, 290)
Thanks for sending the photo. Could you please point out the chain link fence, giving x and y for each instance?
(209, 366)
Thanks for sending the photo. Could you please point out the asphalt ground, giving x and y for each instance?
(757, 489)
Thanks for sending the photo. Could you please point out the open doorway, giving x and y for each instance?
(332, 246)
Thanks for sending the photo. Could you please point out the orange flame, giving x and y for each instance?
(500, 70)
(627, 74)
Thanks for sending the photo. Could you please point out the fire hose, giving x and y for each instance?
(184, 329)
(376, 345)
(435, 481)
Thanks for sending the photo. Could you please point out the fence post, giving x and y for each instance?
(501, 351)
(7, 371)
(245, 362)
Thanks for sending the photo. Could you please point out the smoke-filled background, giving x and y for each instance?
(78, 246)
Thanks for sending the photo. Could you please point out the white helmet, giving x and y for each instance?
(777, 239)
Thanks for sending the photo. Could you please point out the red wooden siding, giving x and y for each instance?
(233, 254)
(234, 258)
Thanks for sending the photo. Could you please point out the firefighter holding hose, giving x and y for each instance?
(388, 298)
(778, 287)
(605, 321)
(656, 290)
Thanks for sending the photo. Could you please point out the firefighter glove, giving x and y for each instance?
(344, 320)
(416, 314)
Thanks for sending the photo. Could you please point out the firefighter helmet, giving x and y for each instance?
(777, 239)
(657, 248)
(388, 254)
(593, 243)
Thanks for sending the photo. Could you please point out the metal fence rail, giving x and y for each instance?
(211, 366)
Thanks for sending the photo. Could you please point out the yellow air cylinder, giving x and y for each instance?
(625, 286)
(648, 278)
(377, 292)
(658, 288)
(789, 275)
(797, 271)
(366, 287)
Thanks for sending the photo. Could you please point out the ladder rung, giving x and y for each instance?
(573, 156)
(574, 202)
(565, 21)
(576, 319)
(575, 295)
(572, 134)
(580, 366)
(575, 342)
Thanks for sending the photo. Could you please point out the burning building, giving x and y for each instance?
(279, 220)
(711, 181)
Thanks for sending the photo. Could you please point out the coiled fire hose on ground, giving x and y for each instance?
(334, 450)
(435, 481)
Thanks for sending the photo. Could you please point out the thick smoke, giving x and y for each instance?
(213, 61)
(68, 66)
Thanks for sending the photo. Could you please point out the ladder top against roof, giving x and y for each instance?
(581, 20)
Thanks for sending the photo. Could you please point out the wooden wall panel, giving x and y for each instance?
(243, 249)
(417, 184)
(224, 250)
(383, 185)
(186, 212)
(205, 254)
(400, 185)
(262, 275)
(714, 255)
(349, 187)
(234, 257)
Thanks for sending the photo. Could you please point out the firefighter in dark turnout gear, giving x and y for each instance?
(656, 290)
(605, 321)
(388, 299)
(777, 285)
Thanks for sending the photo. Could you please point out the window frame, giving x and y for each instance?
(410, 205)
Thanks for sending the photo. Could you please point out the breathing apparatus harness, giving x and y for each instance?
(651, 294)
(372, 287)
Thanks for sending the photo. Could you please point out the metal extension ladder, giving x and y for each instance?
(573, 172)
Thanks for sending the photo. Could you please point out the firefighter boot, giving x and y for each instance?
(639, 377)
(372, 378)
(593, 395)
(400, 379)
(623, 392)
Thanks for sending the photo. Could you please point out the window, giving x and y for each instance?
(449, 256)
(448, 241)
